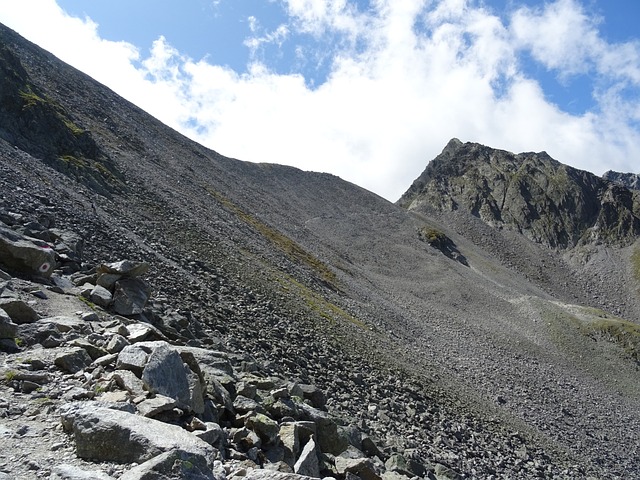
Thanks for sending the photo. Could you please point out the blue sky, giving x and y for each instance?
(368, 90)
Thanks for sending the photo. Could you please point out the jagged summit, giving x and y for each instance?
(629, 180)
(550, 203)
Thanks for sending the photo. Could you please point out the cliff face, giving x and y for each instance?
(531, 193)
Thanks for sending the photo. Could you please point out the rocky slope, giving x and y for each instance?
(629, 180)
(460, 349)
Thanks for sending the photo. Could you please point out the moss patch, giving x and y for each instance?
(635, 263)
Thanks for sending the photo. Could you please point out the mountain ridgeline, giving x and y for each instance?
(485, 326)
(550, 203)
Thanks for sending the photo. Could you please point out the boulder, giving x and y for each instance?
(73, 360)
(153, 406)
(124, 268)
(8, 329)
(71, 472)
(166, 374)
(102, 434)
(100, 296)
(290, 441)
(19, 311)
(330, 439)
(362, 467)
(308, 463)
(273, 475)
(133, 358)
(266, 428)
(25, 255)
(176, 463)
(130, 296)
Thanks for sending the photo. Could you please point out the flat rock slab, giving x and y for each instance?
(272, 475)
(70, 472)
(102, 434)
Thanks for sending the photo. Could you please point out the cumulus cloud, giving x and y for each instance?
(405, 76)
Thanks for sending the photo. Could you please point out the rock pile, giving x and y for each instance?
(120, 397)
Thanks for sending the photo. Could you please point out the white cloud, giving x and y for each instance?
(405, 77)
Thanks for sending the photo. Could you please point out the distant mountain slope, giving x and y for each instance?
(441, 331)
(531, 193)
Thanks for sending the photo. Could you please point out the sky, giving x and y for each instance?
(369, 90)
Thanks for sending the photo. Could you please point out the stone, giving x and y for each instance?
(266, 428)
(308, 463)
(73, 360)
(130, 296)
(166, 374)
(102, 434)
(314, 395)
(328, 437)
(290, 441)
(18, 311)
(397, 463)
(9, 345)
(8, 329)
(94, 351)
(24, 254)
(442, 472)
(125, 268)
(153, 406)
(108, 280)
(138, 332)
(116, 343)
(174, 464)
(362, 467)
(133, 358)
(243, 404)
(257, 474)
(214, 435)
(128, 381)
(71, 472)
(115, 397)
(100, 296)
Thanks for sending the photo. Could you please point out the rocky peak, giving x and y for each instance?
(548, 202)
(629, 180)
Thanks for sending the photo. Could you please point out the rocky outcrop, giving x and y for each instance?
(628, 180)
(531, 193)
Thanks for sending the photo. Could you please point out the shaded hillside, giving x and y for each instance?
(531, 193)
(468, 351)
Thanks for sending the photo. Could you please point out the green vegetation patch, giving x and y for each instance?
(621, 332)
(292, 249)
(433, 237)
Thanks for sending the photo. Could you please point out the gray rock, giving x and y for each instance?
(153, 406)
(362, 467)
(133, 358)
(214, 435)
(125, 268)
(266, 428)
(174, 464)
(244, 405)
(116, 343)
(18, 310)
(128, 381)
(166, 374)
(108, 280)
(329, 438)
(130, 296)
(8, 329)
(308, 463)
(443, 472)
(100, 296)
(314, 395)
(102, 434)
(94, 351)
(71, 472)
(397, 463)
(73, 360)
(24, 254)
(290, 441)
(273, 475)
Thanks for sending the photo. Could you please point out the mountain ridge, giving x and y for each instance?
(321, 280)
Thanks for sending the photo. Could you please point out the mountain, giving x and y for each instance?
(629, 180)
(485, 326)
